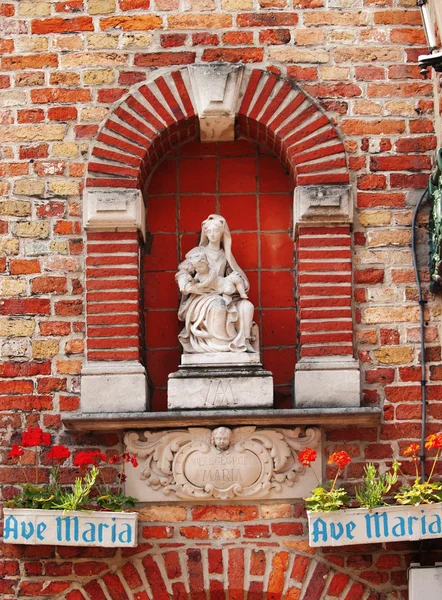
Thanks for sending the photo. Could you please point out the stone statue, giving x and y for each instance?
(214, 307)
(221, 437)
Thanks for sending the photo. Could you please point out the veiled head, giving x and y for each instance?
(213, 229)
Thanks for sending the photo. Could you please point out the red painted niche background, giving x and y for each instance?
(249, 187)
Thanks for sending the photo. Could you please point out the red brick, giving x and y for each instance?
(157, 532)
(90, 568)
(205, 39)
(233, 55)
(6, 46)
(173, 40)
(30, 61)
(234, 38)
(62, 113)
(372, 182)
(49, 284)
(24, 266)
(69, 6)
(256, 531)
(134, 4)
(369, 276)
(69, 307)
(54, 95)
(284, 529)
(317, 582)
(31, 116)
(29, 152)
(22, 306)
(58, 25)
(274, 37)
(224, 513)
(194, 532)
(264, 19)
(69, 403)
(164, 59)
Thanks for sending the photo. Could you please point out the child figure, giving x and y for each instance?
(206, 281)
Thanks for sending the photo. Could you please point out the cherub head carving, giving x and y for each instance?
(221, 437)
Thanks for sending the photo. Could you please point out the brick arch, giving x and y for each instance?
(157, 116)
(202, 573)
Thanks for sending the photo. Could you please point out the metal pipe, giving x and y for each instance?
(428, 24)
(422, 335)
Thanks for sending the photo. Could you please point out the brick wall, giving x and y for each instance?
(64, 68)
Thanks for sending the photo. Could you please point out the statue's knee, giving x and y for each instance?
(219, 304)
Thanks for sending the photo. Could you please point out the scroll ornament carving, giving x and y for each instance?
(198, 463)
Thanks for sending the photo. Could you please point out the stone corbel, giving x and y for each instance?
(322, 205)
(216, 89)
(114, 210)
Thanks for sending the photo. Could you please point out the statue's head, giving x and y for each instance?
(199, 261)
(213, 228)
(221, 437)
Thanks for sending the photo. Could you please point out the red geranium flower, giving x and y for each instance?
(16, 451)
(115, 459)
(34, 436)
(59, 453)
(342, 459)
(89, 458)
(412, 450)
(434, 441)
(307, 456)
(131, 458)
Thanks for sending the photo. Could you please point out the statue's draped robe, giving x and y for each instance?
(212, 322)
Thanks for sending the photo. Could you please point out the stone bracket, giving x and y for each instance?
(215, 88)
(327, 383)
(322, 205)
(202, 464)
(109, 387)
(114, 210)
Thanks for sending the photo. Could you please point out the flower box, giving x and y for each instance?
(75, 528)
(385, 524)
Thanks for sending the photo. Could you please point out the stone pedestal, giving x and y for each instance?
(327, 383)
(114, 387)
(220, 380)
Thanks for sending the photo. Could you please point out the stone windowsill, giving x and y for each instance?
(325, 417)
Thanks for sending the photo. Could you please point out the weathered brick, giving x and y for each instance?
(133, 23)
(58, 25)
(10, 327)
(30, 61)
(101, 7)
(33, 229)
(32, 133)
(296, 55)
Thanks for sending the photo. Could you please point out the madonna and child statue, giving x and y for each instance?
(220, 364)
(215, 310)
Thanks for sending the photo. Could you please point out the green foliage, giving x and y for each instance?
(32, 496)
(326, 500)
(115, 501)
(420, 493)
(375, 486)
(79, 497)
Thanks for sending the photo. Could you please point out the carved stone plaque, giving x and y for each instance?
(201, 464)
(251, 389)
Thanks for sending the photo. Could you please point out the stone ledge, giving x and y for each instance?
(332, 417)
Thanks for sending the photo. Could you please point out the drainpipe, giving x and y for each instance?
(434, 191)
